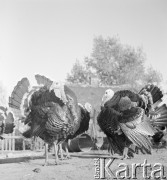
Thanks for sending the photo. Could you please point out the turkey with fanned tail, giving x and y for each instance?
(7, 122)
(125, 119)
(50, 109)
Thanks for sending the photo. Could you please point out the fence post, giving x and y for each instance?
(13, 144)
(10, 142)
(13, 141)
(2, 145)
(6, 144)
(24, 145)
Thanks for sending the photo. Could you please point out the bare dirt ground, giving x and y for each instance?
(17, 168)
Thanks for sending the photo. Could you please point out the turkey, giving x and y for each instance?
(125, 119)
(159, 122)
(50, 110)
(6, 121)
(86, 115)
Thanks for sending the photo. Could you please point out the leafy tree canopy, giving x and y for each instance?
(78, 73)
(114, 63)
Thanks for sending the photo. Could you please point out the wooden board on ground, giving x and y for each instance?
(93, 155)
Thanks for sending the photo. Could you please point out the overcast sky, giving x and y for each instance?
(47, 36)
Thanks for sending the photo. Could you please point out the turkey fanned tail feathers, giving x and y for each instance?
(161, 116)
(42, 80)
(155, 91)
(18, 93)
(45, 112)
(153, 96)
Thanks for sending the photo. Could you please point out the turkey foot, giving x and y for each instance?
(125, 153)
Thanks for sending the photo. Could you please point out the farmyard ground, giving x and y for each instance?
(16, 168)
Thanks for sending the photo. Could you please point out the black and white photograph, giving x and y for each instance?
(83, 89)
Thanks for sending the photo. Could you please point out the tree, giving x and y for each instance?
(131, 65)
(115, 62)
(152, 76)
(103, 59)
(78, 74)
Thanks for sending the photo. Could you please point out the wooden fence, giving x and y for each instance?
(9, 143)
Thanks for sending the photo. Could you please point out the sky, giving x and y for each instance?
(47, 36)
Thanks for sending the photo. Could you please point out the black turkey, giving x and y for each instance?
(50, 109)
(7, 123)
(86, 115)
(125, 118)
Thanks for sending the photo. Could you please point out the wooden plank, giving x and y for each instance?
(93, 156)
(13, 137)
